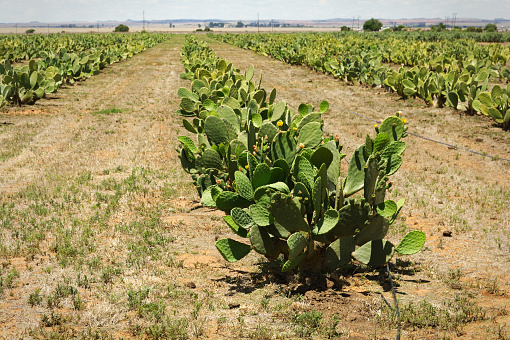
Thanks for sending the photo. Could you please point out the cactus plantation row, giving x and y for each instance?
(279, 179)
(453, 73)
(57, 61)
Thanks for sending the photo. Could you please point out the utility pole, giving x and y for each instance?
(446, 23)
(352, 26)
(143, 13)
(16, 28)
(454, 19)
(258, 21)
(358, 23)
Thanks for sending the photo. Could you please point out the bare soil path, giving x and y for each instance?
(101, 235)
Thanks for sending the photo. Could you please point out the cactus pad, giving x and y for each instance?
(243, 186)
(236, 228)
(374, 253)
(338, 253)
(232, 250)
(297, 243)
(411, 243)
(287, 213)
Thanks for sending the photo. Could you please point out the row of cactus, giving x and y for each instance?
(279, 179)
(18, 47)
(26, 84)
(452, 76)
(461, 91)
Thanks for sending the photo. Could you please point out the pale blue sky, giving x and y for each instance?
(97, 10)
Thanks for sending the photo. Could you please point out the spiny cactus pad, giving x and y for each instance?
(338, 253)
(232, 250)
(374, 253)
(411, 243)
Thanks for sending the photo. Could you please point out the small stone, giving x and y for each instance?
(191, 285)
(233, 305)
(447, 233)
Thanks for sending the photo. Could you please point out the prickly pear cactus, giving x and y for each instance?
(280, 179)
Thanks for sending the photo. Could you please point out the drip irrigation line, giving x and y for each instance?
(410, 133)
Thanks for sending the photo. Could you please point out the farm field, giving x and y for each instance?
(103, 236)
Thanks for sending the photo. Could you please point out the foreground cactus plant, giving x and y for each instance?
(279, 179)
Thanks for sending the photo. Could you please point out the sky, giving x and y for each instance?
(47, 11)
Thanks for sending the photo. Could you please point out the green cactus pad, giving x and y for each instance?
(227, 113)
(188, 126)
(374, 253)
(411, 243)
(334, 167)
(243, 186)
(317, 196)
(327, 222)
(211, 159)
(371, 175)
(261, 175)
(393, 163)
(394, 148)
(284, 165)
(241, 217)
(188, 105)
(304, 172)
(278, 111)
(215, 130)
(356, 172)
(188, 143)
(260, 215)
(376, 229)
(277, 230)
(228, 200)
(276, 175)
(351, 218)
(324, 106)
(309, 118)
(310, 135)
(297, 243)
(261, 241)
(283, 147)
(387, 209)
(209, 195)
(321, 155)
(252, 164)
(236, 228)
(183, 92)
(393, 127)
(286, 212)
(268, 129)
(338, 253)
(187, 165)
(381, 141)
(289, 265)
(232, 250)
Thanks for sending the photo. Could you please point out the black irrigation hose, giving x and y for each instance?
(410, 133)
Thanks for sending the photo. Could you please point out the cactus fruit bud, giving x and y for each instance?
(240, 169)
(394, 124)
(280, 123)
(399, 113)
(254, 154)
(218, 181)
(265, 137)
(279, 132)
(337, 138)
(301, 145)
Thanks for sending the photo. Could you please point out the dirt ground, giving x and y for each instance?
(102, 235)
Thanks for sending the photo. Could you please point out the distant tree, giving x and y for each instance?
(207, 29)
(399, 28)
(471, 29)
(372, 25)
(199, 25)
(345, 29)
(491, 28)
(239, 24)
(440, 27)
(122, 28)
(29, 31)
